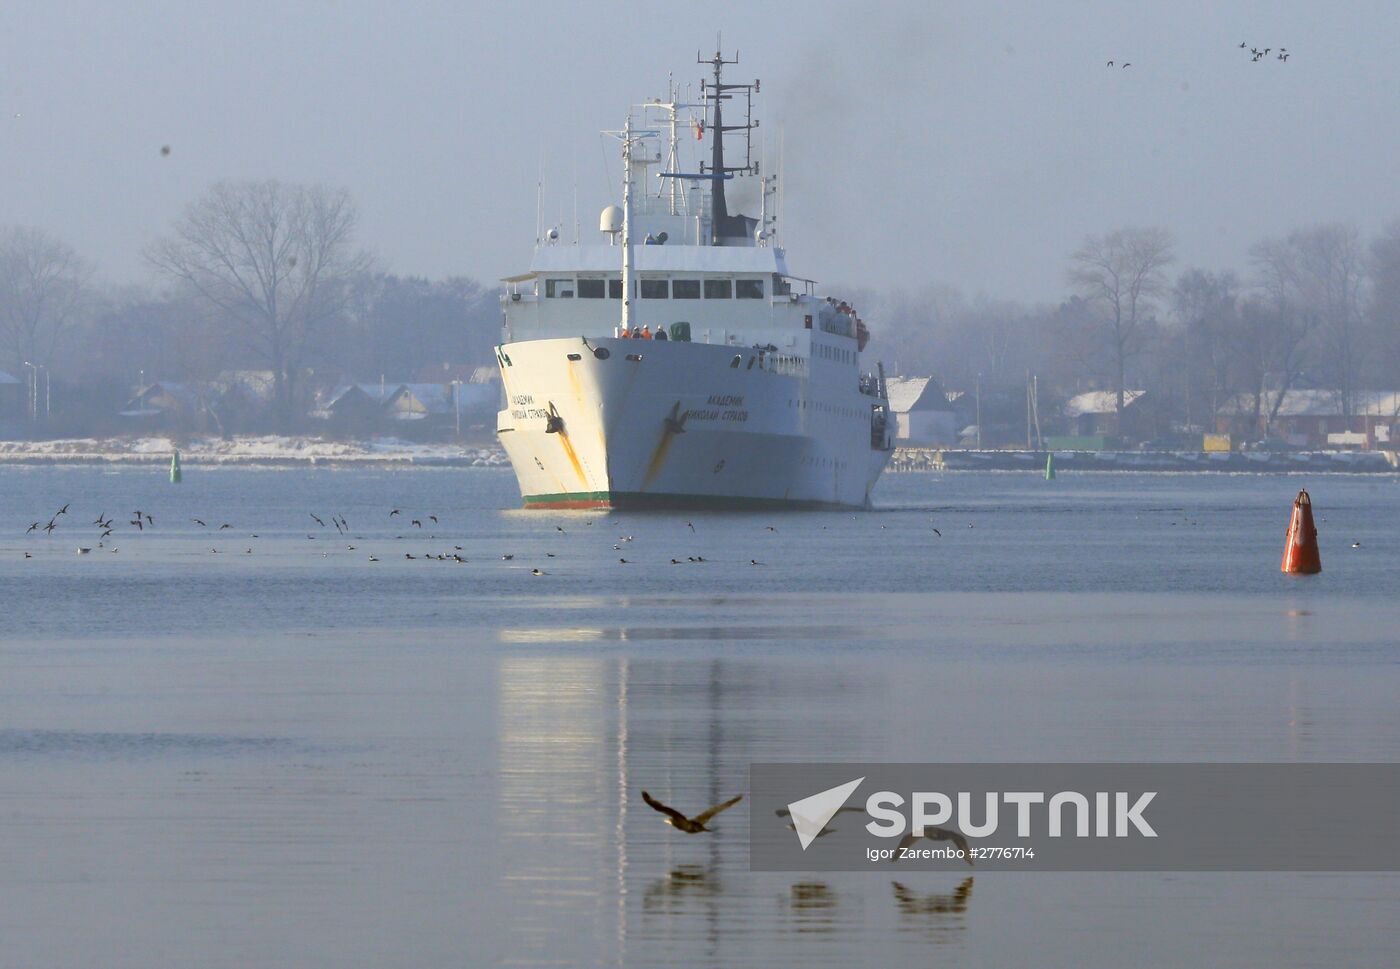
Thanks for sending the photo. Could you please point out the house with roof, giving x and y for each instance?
(355, 408)
(164, 404)
(1095, 414)
(12, 398)
(1314, 418)
(923, 415)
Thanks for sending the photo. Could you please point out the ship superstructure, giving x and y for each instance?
(679, 363)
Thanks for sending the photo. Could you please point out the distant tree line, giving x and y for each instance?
(1319, 305)
(254, 275)
(269, 276)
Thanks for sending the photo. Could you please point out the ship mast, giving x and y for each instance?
(722, 224)
(627, 224)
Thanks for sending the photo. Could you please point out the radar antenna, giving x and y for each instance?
(724, 226)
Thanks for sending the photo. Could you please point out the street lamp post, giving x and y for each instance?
(979, 412)
(33, 400)
(457, 405)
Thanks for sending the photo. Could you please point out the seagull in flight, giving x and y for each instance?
(693, 825)
(317, 520)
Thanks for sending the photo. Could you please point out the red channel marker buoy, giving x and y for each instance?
(1300, 554)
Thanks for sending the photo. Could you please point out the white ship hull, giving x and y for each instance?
(662, 424)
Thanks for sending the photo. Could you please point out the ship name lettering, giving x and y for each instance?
(725, 400)
(521, 399)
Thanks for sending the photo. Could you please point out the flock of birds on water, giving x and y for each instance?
(141, 521)
(1255, 55)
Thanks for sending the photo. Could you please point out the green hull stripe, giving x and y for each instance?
(657, 501)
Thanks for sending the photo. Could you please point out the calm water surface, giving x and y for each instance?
(295, 756)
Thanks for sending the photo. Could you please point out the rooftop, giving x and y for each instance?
(1099, 402)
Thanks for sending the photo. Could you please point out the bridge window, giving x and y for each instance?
(614, 289)
(719, 289)
(559, 289)
(590, 289)
(655, 288)
(748, 288)
(685, 289)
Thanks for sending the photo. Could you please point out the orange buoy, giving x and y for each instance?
(1300, 554)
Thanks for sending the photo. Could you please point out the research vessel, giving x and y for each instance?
(679, 362)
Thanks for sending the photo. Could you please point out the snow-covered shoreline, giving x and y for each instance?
(268, 450)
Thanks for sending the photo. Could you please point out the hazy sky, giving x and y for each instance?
(973, 144)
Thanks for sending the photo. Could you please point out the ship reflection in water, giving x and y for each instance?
(579, 738)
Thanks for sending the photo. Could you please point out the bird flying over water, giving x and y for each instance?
(317, 520)
(62, 511)
(693, 825)
(199, 523)
(32, 528)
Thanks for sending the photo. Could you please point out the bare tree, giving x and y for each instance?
(44, 287)
(1271, 339)
(1384, 310)
(1206, 304)
(1122, 275)
(274, 261)
(1320, 271)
